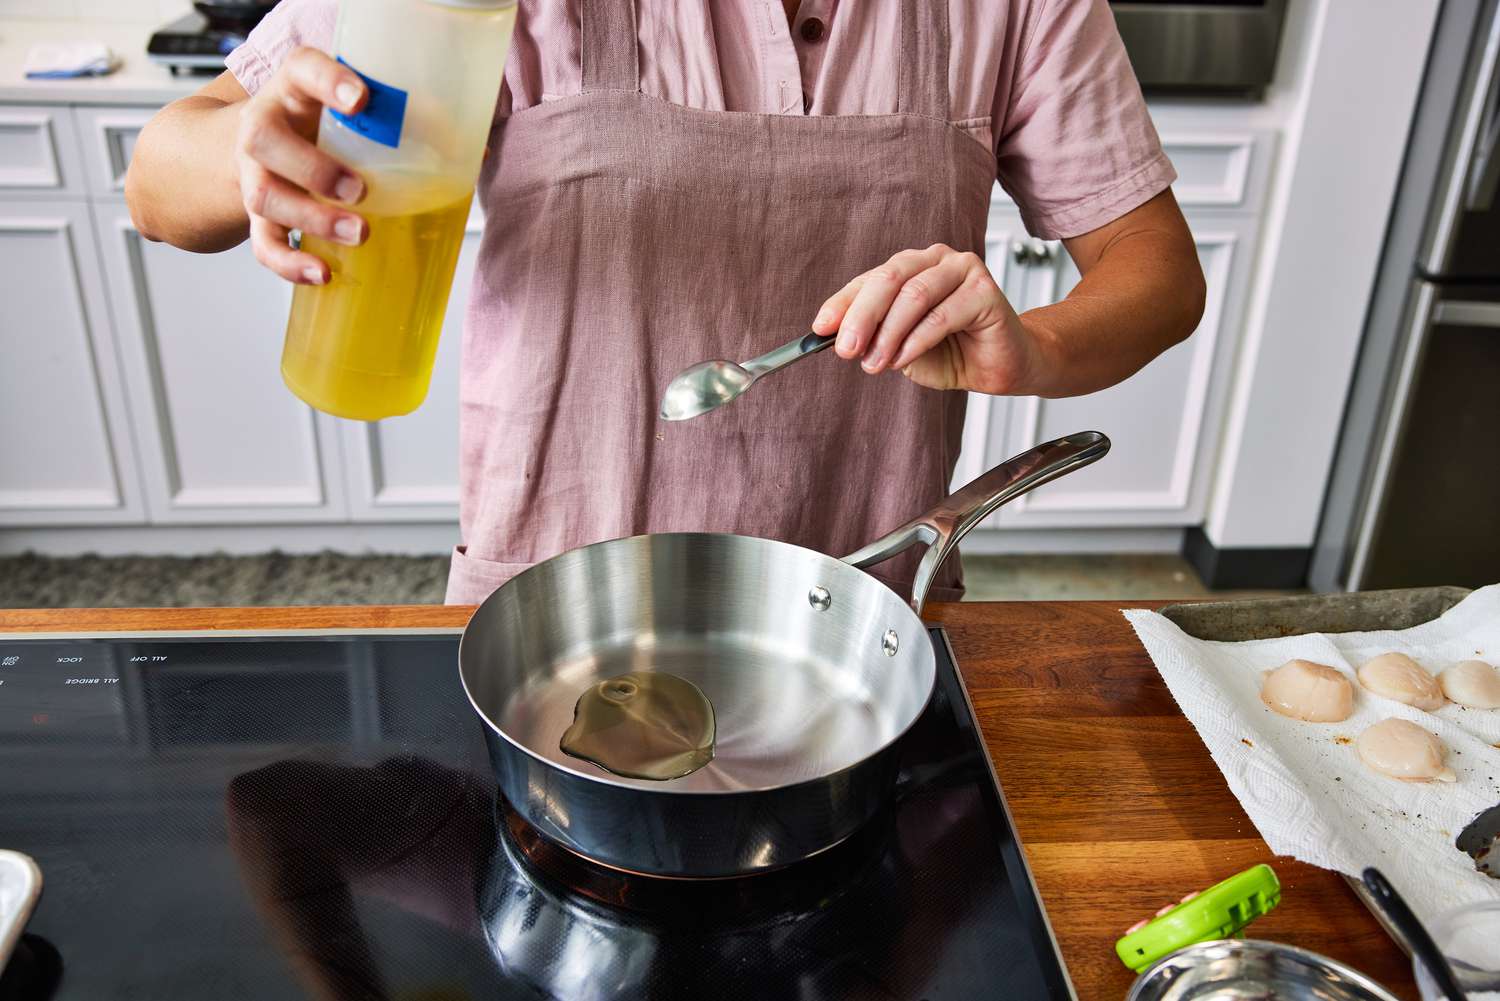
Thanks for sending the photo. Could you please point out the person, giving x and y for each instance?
(669, 181)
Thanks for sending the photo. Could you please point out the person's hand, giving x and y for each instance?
(281, 169)
(937, 316)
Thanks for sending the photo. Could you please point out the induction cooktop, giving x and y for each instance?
(286, 816)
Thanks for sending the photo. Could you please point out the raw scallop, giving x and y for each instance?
(1403, 750)
(1397, 676)
(1472, 683)
(1304, 690)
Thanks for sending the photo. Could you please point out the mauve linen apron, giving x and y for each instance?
(627, 238)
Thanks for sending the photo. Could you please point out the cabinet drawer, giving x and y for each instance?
(38, 151)
(1214, 170)
(109, 135)
(1219, 171)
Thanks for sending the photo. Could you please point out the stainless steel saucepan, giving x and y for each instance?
(814, 669)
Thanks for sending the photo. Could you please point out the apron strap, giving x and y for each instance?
(610, 49)
(922, 86)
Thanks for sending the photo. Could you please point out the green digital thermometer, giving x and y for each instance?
(1218, 912)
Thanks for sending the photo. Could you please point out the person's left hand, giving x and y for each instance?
(937, 316)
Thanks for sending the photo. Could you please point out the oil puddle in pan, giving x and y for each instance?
(647, 725)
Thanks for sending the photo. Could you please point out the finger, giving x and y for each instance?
(957, 312)
(267, 138)
(310, 77)
(919, 297)
(874, 298)
(268, 240)
(832, 310)
(269, 197)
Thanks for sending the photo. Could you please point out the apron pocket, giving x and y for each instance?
(471, 580)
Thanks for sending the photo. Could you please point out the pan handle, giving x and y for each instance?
(945, 525)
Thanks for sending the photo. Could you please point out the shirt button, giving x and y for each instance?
(812, 30)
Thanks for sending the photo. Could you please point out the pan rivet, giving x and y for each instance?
(819, 598)
(890, 642)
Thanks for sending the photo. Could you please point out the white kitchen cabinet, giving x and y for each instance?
(38, 152)
(986, 418)
(406, 468)
(1163, 421)
(107, 137)
(221, 437)
(148, 378)
(1025, 269)
(65, 454)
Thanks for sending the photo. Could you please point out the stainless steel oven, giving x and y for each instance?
(1204, 47)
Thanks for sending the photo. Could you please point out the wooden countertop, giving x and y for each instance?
(1116, 800)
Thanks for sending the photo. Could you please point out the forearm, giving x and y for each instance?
(1144, 294)
(182, 186)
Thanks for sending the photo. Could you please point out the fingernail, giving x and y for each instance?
(346, 94)
(347, 230)
(349, 189)
(314, 276)
(824, 315)
(872, 364)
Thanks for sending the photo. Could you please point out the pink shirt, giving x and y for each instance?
(1045, 83)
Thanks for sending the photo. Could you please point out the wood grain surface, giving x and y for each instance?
(1115, 798)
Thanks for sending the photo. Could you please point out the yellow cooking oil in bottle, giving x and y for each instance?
(391, 295)
(362, 346)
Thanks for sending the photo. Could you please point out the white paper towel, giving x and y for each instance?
(1304, 786)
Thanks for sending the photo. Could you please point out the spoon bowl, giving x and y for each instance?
(709, 385)
(701, 388)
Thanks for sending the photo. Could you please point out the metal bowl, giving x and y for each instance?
(1250, 970)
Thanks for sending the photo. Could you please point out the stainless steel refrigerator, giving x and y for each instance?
(1414, 497)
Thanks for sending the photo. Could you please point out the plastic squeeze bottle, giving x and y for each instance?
(362, 346)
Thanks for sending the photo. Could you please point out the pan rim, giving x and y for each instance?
(927, 655)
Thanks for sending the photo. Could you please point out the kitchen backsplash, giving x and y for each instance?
(130, 11)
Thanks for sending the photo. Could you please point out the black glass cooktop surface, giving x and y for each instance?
(312, 816)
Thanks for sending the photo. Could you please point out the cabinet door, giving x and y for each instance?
(406, 468)
(222, 438)
(65, 450)
(986, 419)
(1163, 421)
(108, 136)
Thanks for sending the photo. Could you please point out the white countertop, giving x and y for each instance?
(137, 81)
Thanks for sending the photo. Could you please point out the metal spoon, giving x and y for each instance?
(709, 385)
(1412, 929)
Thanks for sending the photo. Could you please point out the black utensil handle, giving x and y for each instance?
(1415, 932)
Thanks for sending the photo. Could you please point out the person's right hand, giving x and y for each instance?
(281, 169)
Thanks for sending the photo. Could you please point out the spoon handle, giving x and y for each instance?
(807, 344)
(1415, 933)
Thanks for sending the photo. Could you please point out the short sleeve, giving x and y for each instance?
(290, 25)
(1077, 148)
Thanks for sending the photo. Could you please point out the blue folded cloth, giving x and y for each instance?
(64, 60)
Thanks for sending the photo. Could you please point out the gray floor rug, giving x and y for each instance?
(34, 581)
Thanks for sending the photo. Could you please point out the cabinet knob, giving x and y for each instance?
(1033, 251)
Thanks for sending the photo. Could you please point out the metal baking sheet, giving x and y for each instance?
(1271, 618)
(1295, 615)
